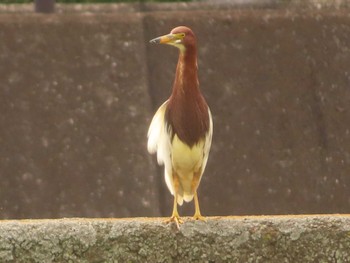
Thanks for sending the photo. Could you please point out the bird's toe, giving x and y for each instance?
(176, 219)
(199, 217)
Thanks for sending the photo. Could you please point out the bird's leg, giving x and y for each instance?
(175, 217)
(197, 213)
(195, 183)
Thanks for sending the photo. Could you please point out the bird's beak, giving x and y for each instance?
(168, 39)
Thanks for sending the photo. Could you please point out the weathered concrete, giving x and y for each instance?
(78, 90)
(186, 6)
(286, 239)
(74, 118)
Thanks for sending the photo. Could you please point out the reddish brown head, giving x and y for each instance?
(181, 37)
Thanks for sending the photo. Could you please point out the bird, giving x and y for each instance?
(181, 130)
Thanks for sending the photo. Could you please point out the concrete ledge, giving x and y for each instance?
(182, 6)
(307, 238)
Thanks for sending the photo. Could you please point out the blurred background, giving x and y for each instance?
(80, 84)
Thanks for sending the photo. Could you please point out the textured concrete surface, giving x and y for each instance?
(186, 6)
(74, 115)
(286, 239)
(78, 89)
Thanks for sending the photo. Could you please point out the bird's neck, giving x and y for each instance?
(186, 79)
(187, 111)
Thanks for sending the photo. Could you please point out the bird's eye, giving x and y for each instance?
(182, 34)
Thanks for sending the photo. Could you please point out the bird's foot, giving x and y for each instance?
(199, 217)
(176, 219)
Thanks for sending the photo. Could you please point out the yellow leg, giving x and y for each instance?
(175, 217)
(197, 213)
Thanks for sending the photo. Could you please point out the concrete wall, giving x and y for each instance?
(232, 239)
(78, 90)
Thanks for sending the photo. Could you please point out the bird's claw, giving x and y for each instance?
(199, 217)
(175, 219)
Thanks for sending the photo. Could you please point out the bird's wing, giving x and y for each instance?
(207, 144)
(156, 129)
(159, 140)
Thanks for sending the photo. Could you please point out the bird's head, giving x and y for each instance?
(181, 37)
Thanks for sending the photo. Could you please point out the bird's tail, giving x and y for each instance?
(187, 197)
(185, 191)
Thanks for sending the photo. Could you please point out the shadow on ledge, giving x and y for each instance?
(304, 238)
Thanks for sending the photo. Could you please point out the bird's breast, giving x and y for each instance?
(186, 159)
(188, 119)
